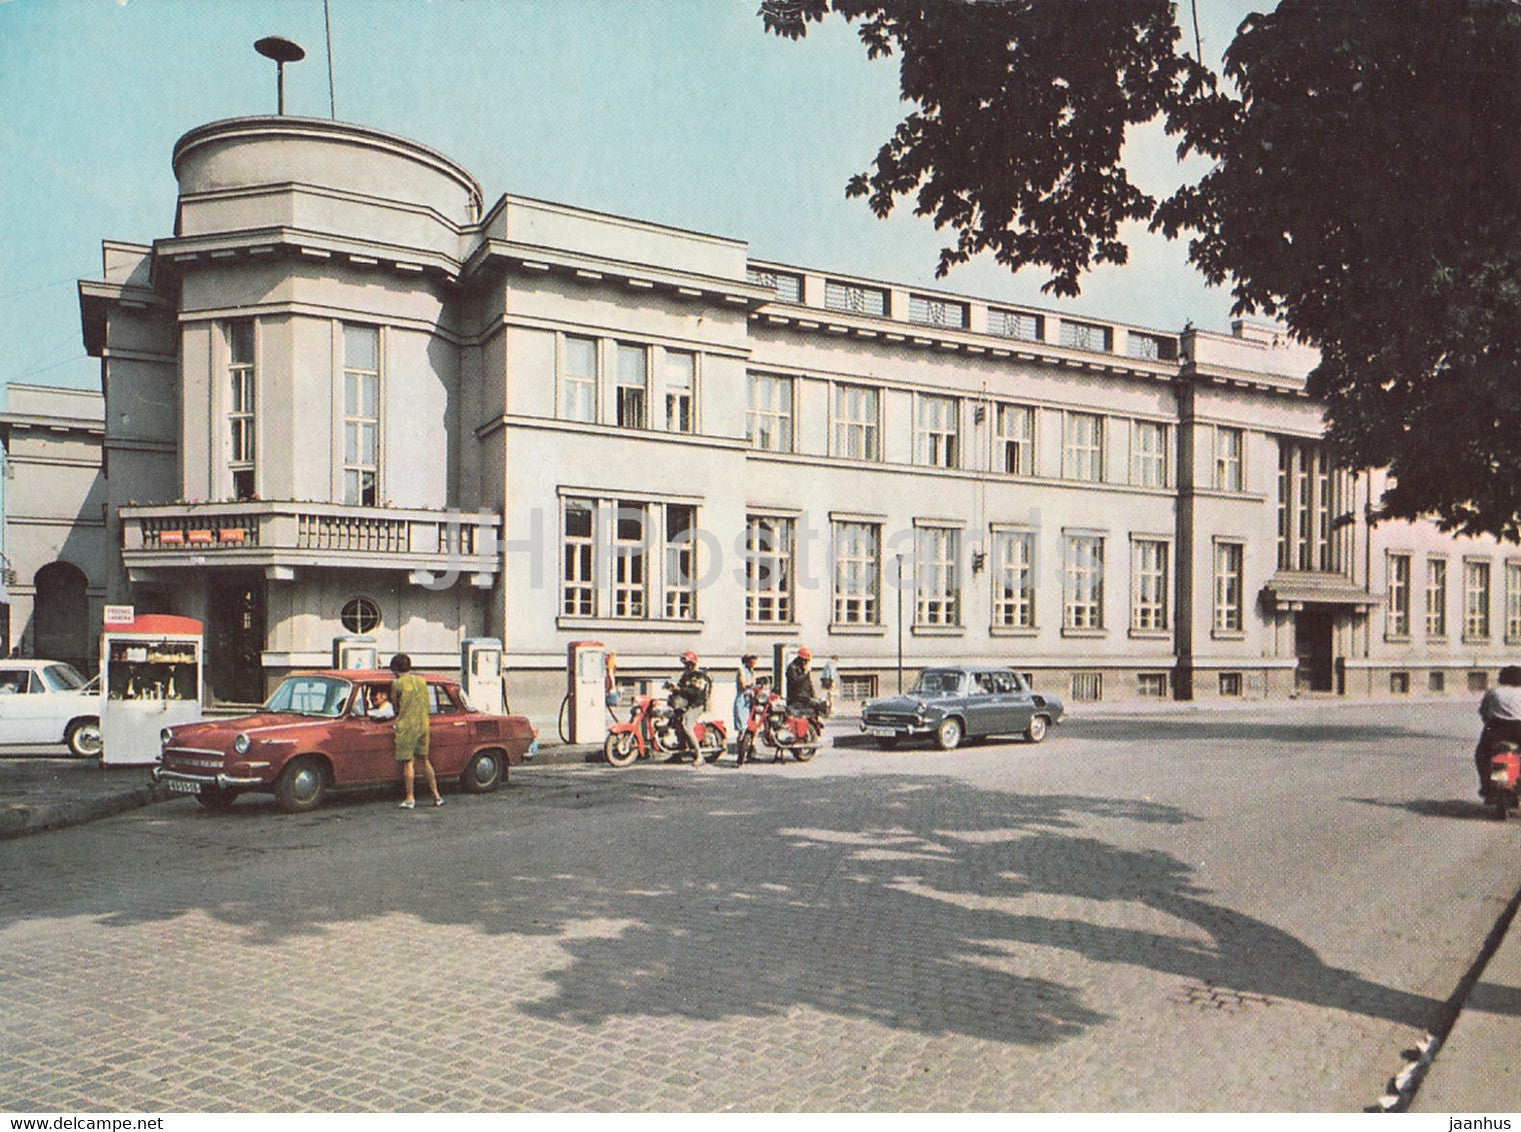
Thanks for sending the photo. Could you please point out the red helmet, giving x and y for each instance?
(804, 653)
(689, 657)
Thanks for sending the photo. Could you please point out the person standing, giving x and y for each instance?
(409, 692)
(744, 692)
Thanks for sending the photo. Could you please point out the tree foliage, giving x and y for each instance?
(1364, 181)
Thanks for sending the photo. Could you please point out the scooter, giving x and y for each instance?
(770, 722)
(651, 733)
(1504, 779)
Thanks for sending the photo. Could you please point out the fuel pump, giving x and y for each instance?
(586, 674)
(480, 674)
(355, 653)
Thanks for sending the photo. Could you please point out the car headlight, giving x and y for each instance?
(165, 737)
(241, 744)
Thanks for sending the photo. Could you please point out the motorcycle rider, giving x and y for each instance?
(802, 698)
(1500, 709)
(689, 695)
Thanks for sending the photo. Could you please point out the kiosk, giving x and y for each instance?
(150, 678)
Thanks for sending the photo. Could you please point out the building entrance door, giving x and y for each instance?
(1313, 636)
(235, 638)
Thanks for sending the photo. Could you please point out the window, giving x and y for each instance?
(1436, 597)
(788, 288)
(1087, 687)
(1085, 336)
(1151, 685)
(852, 299)
(578, 578)
(1083, 447)
(578, 380)
(768, 569)
(1149, 585)
(1311, 504)
(935, 430)
(631, 385)
(1229, 557)
(768, 418)
(680, 391)
(936, 312)
(1230, 445)
(857, 572)
(680, 562)
(1013, 570)
(1399, 683)
(1397, 615)
(1478, 681)
(1083, 607)
(1230, 683)
(1436, 681)
(1015, 439)
(855, 422)
(241, 409)
(1513, 603)
(858, 686)
(1475, 601)
(628, 559)
(440, 700)
(1151, 347)
(631, 551)
(1015, 324)
(1148, 454)
(937, 579)
(360, 615)
(361, 416)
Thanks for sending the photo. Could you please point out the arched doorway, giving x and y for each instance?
(61, 615)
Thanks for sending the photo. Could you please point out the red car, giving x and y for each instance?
(316, 735)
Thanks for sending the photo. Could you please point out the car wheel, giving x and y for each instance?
(1037, 729)
(483, 773)
(619, 750)
(216, 797)
(301, 786)
(83, 738)
(949, 733)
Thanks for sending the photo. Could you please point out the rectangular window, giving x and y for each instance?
(1229, 586)
(1083, 447)
(1149, 585)
(1436, 681)
(1015, 324)
(578, 380)
(768, 417)
(578, 571)
(1013, 570)
(1230, 683)
(1478, 681)
(1148, 454)
(680, 391)
(242, 409)
(680, 562)
(936, 312)
(858, 686)
(1087, 687)
(631, 386)
(631, 555)
(1151, 685)
(1436, 598)
(935, 431)
(937, 577)
(788, 288)
(850, 298)
(1475, 601)
(361, 416)
(1083, 574)
(1399, 683)
(857, 572)
(1397, 613)
(768, 569)
(1312, 501)
(855, 422)
(1015, 440)
(1230, 444)
(1513, 603)
(1151, 347)
(1085, 336)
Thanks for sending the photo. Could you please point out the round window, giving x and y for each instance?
(360, 615)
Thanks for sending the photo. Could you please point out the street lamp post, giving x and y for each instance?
(900, 624)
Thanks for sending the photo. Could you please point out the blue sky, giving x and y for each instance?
(682, 112)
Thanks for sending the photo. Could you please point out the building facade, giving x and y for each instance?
(345, 397)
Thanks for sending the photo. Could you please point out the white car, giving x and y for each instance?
(47, 701)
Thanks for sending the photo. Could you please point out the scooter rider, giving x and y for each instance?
(802, 697)
(1500, 709)
(689, 695)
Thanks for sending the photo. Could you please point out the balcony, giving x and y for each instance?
(429, 546)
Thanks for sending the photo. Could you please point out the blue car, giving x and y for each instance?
(955, 703)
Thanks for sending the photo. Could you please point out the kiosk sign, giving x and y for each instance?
(115, 615)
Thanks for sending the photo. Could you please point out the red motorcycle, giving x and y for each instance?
(770, 722)
(651, 733)
(1504, 779)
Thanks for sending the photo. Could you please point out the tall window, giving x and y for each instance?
(937, 578)
(1475, 601)
(628, 559)
(855, 422)
(1436, 598)
(632, 386)
(680, 390)
(1149, 585)
(1311, 499)
(857, 572)
(680, 561)
(768, 569)
(1013, 569)
(935, 429)
(578, 567)
(1397, 616)
(1015, 439)
(361, 416)
(1083, 447)
(1148, 454)
(1083, 588)
(578, 380)
(631, 559)
(1230, 445)
(768, 418)
(1513, 603)
(242, 408)
(1229, 586)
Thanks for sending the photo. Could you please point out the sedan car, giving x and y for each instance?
(316, 735)
(47, 701)
(956, 702)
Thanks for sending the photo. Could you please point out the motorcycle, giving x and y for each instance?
(651, 732)
(1504, 779)
(770, 722)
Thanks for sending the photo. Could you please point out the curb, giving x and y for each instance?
(21, 818)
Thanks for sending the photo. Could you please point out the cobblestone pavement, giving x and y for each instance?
(1255, 913)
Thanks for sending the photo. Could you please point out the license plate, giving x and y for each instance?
(178, 787)
(885, 732)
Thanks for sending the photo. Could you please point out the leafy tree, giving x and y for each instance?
(1364, 185)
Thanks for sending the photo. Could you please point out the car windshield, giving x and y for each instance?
(939, 682)
(310, 695)
(62, 677)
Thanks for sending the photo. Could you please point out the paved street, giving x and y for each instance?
(1227, 911)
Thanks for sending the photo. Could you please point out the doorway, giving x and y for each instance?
(1313, 646)
(235, 637)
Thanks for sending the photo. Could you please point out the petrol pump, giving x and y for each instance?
(480, 674)
(355, 653)
(586, 672)
(150, 678)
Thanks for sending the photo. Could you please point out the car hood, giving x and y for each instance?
(908, 704)
(220, 732)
